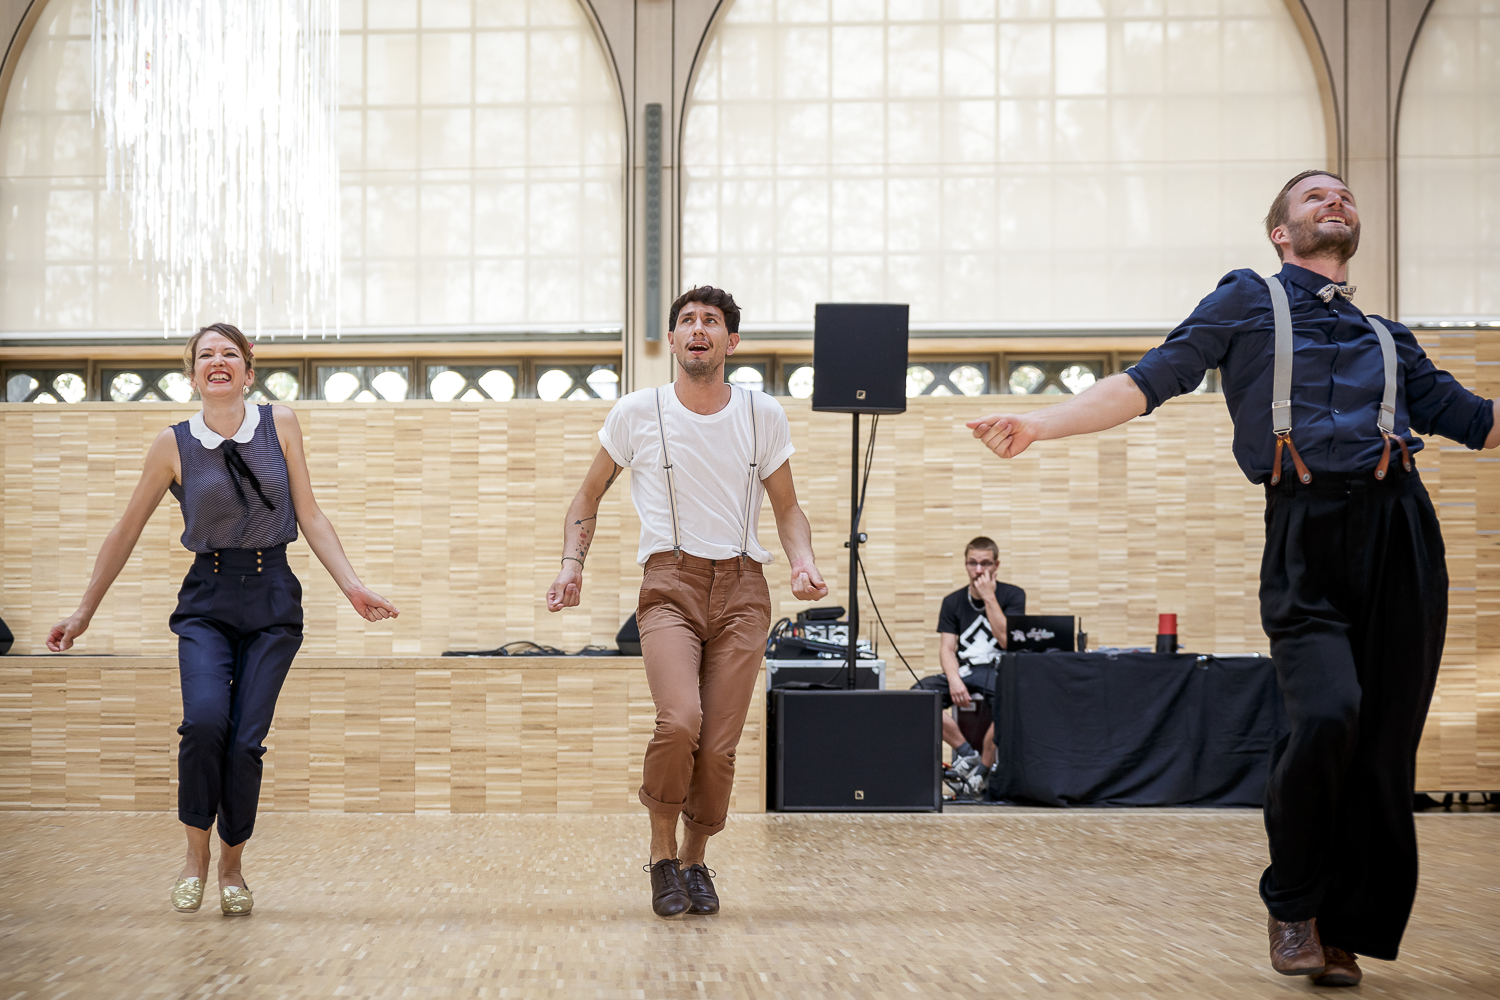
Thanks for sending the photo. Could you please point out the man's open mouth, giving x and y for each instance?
(698, 347)
(1335, 218)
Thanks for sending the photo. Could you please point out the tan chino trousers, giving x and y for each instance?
(703, 626)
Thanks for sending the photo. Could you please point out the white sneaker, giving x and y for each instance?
(962, 768)
(977, 782)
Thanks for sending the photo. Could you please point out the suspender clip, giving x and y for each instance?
(1303, 475)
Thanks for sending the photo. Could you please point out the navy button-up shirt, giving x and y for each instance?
(1338, 377)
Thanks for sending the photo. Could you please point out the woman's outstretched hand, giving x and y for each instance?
(64, 632)
(370, 605)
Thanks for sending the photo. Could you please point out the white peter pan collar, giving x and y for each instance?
(211, 439)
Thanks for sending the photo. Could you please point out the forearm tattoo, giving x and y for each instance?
(582, 535)
(608, 483)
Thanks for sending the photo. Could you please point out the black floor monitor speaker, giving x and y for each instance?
(855, 751)
(859, 358)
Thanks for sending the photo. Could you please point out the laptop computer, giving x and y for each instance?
(1039, 633)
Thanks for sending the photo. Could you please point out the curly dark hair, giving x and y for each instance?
(709, 296)
(1280, 212)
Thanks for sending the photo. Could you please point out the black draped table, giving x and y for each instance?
(1134, 729)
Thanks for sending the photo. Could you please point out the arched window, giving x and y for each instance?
(481, 151)
(1448, 167)
(1091, 161)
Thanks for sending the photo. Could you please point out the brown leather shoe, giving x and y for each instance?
(700, 889)
(1295, 948)
(669, 896)
(1339, 968)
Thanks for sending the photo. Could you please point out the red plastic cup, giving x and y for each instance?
(1166, 624)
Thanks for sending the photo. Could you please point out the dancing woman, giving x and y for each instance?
(240, 475)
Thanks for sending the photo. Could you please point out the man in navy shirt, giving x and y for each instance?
(1353, 590)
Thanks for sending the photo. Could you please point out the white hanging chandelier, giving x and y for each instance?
(220, 128)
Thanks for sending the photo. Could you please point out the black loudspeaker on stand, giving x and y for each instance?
(859, 366)
(854, 751)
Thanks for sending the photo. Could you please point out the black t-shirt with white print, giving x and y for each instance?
(964, 616)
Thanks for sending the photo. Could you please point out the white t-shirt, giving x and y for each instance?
(710, 468)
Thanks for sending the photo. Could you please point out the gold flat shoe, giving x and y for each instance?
(187, 895)
(235, 901)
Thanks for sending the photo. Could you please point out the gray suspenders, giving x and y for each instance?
(1281, 391)
(666, 464)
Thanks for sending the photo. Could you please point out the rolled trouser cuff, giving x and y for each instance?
(658, 806)
(235, 838)
(708, 830)
(197, 821)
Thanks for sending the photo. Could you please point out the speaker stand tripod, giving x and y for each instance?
(855, 537)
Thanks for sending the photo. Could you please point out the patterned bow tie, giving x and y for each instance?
(1327, 292)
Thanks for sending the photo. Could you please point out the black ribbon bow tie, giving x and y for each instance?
(1328, 291)
(238, 469)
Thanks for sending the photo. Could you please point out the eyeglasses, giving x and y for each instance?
(981, 565)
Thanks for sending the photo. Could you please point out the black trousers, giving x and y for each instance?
(981, 680)
(239, 624)
(1354, 597)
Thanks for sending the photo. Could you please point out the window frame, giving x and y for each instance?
(515, 366)
(411, 364)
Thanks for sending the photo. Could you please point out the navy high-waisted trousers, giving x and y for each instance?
(1354, 597)
(238, 624)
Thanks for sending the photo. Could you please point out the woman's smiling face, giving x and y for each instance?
(220, 368)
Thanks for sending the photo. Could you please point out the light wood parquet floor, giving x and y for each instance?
(1004, 903)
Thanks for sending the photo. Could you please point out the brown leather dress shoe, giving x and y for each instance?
(669, 896)
(1339, 968)
(1295, 948)
(700, 889)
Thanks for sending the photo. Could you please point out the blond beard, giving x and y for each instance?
(1310, 242)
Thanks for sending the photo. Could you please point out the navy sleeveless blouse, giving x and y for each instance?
(222, 506)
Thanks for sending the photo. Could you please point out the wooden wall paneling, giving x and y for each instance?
(325, 727)
(521, 476)
(455, 512)
(434, 535)
(49, 738)
(391, 561)
(434, 714)
(1487, 581)
(575, 745)
(361, 741)
(158, 712)
(608, 786)
(398, 739)
(539, 741)
(81, 742)
(16, 737)
(466, 749)
(504, 743)
(287, 778)
(117, 713)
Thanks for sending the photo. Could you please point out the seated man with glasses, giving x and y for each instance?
(971, 634)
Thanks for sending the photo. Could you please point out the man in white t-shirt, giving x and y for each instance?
(703, 453)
